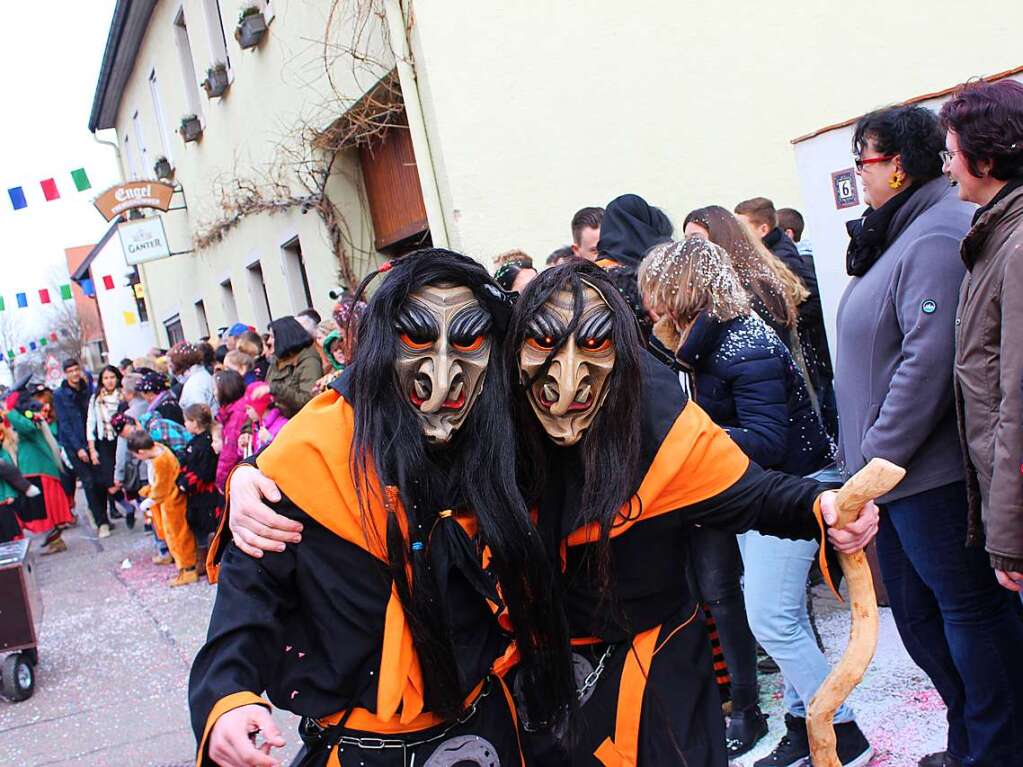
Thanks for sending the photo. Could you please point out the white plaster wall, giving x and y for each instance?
(275, 86)
(536, 109)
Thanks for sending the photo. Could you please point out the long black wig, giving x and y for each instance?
(476, 470)
(610, 448)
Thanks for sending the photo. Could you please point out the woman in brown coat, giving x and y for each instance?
(295, 367)
(984, 155)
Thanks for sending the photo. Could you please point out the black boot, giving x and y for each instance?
(129, 520)
(793, 750)
(745, 729)
(940, 759)
(853, 748)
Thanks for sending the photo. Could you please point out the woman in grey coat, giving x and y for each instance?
(893, 382)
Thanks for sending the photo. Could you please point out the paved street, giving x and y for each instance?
(117, 643)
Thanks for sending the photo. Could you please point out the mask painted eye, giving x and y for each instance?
(411, 343)
(543, 343)
(595, 344)
(472, 346)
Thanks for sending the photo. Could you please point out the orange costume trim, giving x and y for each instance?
(311, 462)
(696, 461)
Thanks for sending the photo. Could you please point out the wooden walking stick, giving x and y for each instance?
(872, 481)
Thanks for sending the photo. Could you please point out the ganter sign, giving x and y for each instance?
(143, 240)
(134, 194)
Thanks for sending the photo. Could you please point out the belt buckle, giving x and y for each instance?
(372, 744)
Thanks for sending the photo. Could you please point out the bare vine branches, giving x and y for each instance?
(305, 157)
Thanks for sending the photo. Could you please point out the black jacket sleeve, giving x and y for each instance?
(769, 502)
(254, 597)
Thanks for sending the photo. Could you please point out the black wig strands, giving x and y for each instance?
(609, 450)
(474, 471)
(289, 337)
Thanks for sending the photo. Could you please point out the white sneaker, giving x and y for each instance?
(33, 491)
(103, 532)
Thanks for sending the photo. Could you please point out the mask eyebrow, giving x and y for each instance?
(417, 321)
(470, 322)
(598, 325)
(545, 323)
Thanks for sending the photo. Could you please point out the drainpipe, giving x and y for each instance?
(397, 31)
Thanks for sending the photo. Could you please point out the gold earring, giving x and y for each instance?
(895, 182)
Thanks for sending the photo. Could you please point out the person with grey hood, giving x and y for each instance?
(893, 381)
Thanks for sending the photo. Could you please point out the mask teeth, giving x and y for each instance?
(456, 391)
(550, 392)
(583, 396)
(422, 390)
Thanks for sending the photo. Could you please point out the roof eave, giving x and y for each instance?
(127, 28)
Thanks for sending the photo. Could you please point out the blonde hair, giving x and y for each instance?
(762, 273)
(692, 276)
(239, 359)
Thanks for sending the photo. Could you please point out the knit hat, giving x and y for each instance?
(151, 381)
(118, 421)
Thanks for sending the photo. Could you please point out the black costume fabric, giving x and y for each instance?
(630, 228)
(812, 335)
(869, 235)
(197, 481)
(319, 628)
(651, 614)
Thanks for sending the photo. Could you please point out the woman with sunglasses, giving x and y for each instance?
(896, 346)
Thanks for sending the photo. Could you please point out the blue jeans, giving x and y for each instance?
(775, 591)
(956, 622)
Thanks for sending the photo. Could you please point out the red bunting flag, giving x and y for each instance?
(21, 349)
(108, 282)
(49, 189)
(44, 296)
(53, 336)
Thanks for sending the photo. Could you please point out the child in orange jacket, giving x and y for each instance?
(168, 504)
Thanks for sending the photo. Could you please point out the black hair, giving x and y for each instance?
(611, 446)
(220, 353)
(229, 387)
(71, 362)
(474, 471)
(289, 337)
(126, 362)
(912, 132)
(117, 375)
(561, 254)
(209, 355)
(311, 314)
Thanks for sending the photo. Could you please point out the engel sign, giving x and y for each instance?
(143, 239)
(134, 194)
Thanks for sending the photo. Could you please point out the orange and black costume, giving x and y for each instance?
(643, 664)
(321, 629)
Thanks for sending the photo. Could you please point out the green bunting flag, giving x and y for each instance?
(2, 307)
(81, 179)
(65, 292)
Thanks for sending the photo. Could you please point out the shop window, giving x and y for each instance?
(257, 295)
(295, 276)
(175, 333)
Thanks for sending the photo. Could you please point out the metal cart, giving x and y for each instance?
(21, 612)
